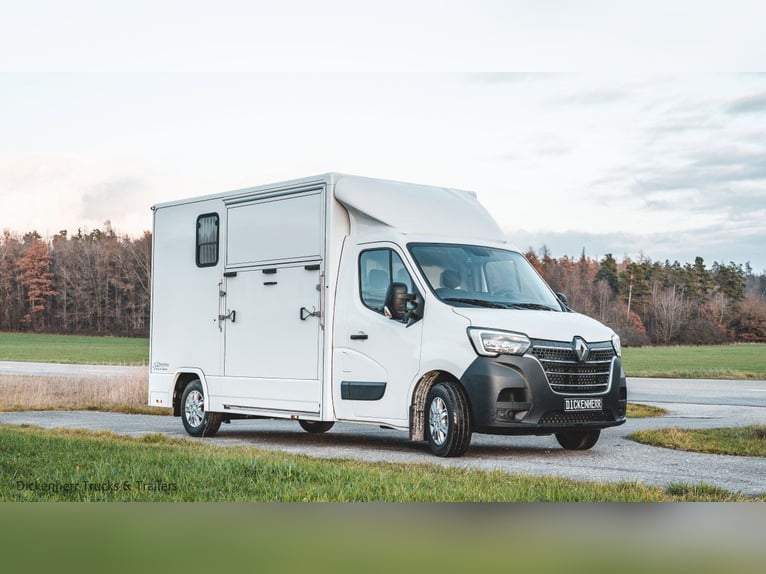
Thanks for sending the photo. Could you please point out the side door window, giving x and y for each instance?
(378, 268)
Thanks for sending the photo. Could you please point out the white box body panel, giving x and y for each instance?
(185, 303)
(237, 323)
(283, 228)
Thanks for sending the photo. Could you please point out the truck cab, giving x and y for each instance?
(449, 337)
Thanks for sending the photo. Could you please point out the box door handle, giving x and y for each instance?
(231, 316)
(359, 337)
(305, 313)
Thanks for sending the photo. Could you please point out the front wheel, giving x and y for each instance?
(448, 425)
(316, 427)
(578, 439)
(196, 421)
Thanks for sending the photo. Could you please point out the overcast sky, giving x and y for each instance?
(105, 111)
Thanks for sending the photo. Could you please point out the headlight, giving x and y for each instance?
(617, 345)
(494, 343)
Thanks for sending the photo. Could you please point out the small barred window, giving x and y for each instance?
(207, 240)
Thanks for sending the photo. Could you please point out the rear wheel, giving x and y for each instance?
(196, 421)
(578, 439)
(448, 425)
(316, 427)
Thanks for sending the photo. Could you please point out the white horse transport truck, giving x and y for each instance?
(345, 298)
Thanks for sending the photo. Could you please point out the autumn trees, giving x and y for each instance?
(95, 282)
(98, 283)
(649, 302)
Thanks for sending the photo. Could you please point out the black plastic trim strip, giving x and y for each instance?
(362, 390)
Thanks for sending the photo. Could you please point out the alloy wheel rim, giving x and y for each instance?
(194, 408)
(438, 420)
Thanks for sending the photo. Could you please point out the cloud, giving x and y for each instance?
(720, 242)
(49, 193)
(748, 104)
(696, 164)
(725, 180)
(114, 197)
(685, 123)
(596, 97)
(505, 77)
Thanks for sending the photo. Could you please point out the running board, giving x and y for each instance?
(281, 413)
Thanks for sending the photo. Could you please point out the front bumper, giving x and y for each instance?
(511, 395)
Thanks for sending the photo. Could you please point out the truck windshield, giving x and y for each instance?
(476, 276)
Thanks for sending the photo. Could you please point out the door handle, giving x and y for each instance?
(231, 316)
(359, 337)
(305, 313)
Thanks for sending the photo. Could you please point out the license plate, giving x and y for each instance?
(573, 405)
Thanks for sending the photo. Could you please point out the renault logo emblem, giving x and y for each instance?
(581, 349)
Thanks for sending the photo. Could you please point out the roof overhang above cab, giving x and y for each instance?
(413, 208)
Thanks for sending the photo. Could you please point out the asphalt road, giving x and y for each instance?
(63, 370)
(692, 404)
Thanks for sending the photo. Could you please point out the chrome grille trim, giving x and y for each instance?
(567, 375)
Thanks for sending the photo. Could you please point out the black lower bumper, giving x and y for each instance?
(511, 395)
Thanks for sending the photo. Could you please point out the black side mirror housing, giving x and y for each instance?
(397, 300)
(564, 300)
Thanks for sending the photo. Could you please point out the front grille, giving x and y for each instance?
(567, 374)
(562, 418)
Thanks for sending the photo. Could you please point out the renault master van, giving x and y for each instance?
(344, 298)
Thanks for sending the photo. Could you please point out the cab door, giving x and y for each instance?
(375, 359)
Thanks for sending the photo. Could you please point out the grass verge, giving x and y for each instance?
(638, 411)
(737, 441)
(744, 361)
(66, 465)
(124, 394)
(73, 349)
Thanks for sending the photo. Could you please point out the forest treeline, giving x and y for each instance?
(648, 302)
(88, 283)
(98, 283)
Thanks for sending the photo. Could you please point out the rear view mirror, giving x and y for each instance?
(396, 302)
(564, 300)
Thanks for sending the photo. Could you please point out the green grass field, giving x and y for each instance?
(745, 361)
(73, 349)
(738, 441)
(41, 465)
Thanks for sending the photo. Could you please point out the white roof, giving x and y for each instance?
(385, 205)
(413, 208)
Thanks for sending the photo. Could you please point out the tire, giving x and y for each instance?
(196, 421)
(578, 439)
(316, 427)
(448, 424)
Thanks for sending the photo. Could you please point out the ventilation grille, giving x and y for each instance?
(567, 374)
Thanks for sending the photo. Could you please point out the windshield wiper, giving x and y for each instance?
(476, 302)
(499, 305)
(537, 306)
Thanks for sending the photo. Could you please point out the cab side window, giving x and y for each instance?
(378, 268)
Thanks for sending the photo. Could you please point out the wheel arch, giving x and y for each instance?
(182, 379)
(418, 400)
